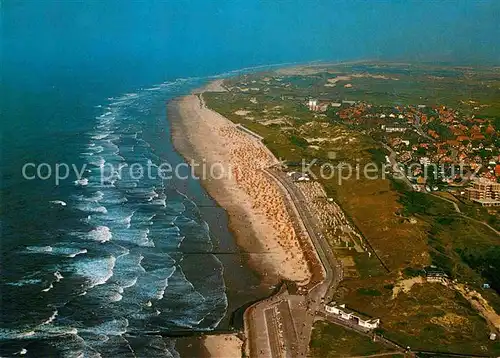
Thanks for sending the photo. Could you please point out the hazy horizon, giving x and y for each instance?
(198, 38)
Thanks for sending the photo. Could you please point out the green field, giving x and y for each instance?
(330, 340)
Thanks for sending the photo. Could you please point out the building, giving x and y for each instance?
(322, 107)
(433, 274)
(353, 317)
(485, 192)
(425, 161)
(390, 129)
(313, 105)
(487, 202)
(296, 176)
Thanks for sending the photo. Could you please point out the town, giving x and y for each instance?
(435, 148)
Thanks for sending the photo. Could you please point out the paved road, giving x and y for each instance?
(361, 330)
(392, 354)
(282, 325)
(324, 290)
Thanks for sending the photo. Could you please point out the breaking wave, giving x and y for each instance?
(118, 267)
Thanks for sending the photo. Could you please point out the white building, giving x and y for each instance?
(351, 316)
(393, 129)
(299, 176)
(313, 104)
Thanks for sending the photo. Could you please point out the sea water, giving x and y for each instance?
(93, 268)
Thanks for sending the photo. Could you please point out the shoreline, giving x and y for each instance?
(329, 278)
(257, 213)
(251, 200)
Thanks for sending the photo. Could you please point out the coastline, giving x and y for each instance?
(256, 209)
(257, 214)
(261, 326)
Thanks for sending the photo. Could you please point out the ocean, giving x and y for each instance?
(99, 267)
(113, 267)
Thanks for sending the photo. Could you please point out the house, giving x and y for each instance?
(406, 156)
(425, 161)
(322, 107)
(313, 104)
(395, 141)
(393, 129)
(490, 129)
(353, 317)
(433, 134)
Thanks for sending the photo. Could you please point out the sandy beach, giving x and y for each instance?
(257, 212)
(223, 345)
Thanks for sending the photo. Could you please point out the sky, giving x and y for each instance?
(199, 37)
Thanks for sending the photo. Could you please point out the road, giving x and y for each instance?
(322, 292)
(294, 314)
(395, 167)
(281, 327)
(419, 129)
(349, 325)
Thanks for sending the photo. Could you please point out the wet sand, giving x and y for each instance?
(211, 346)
